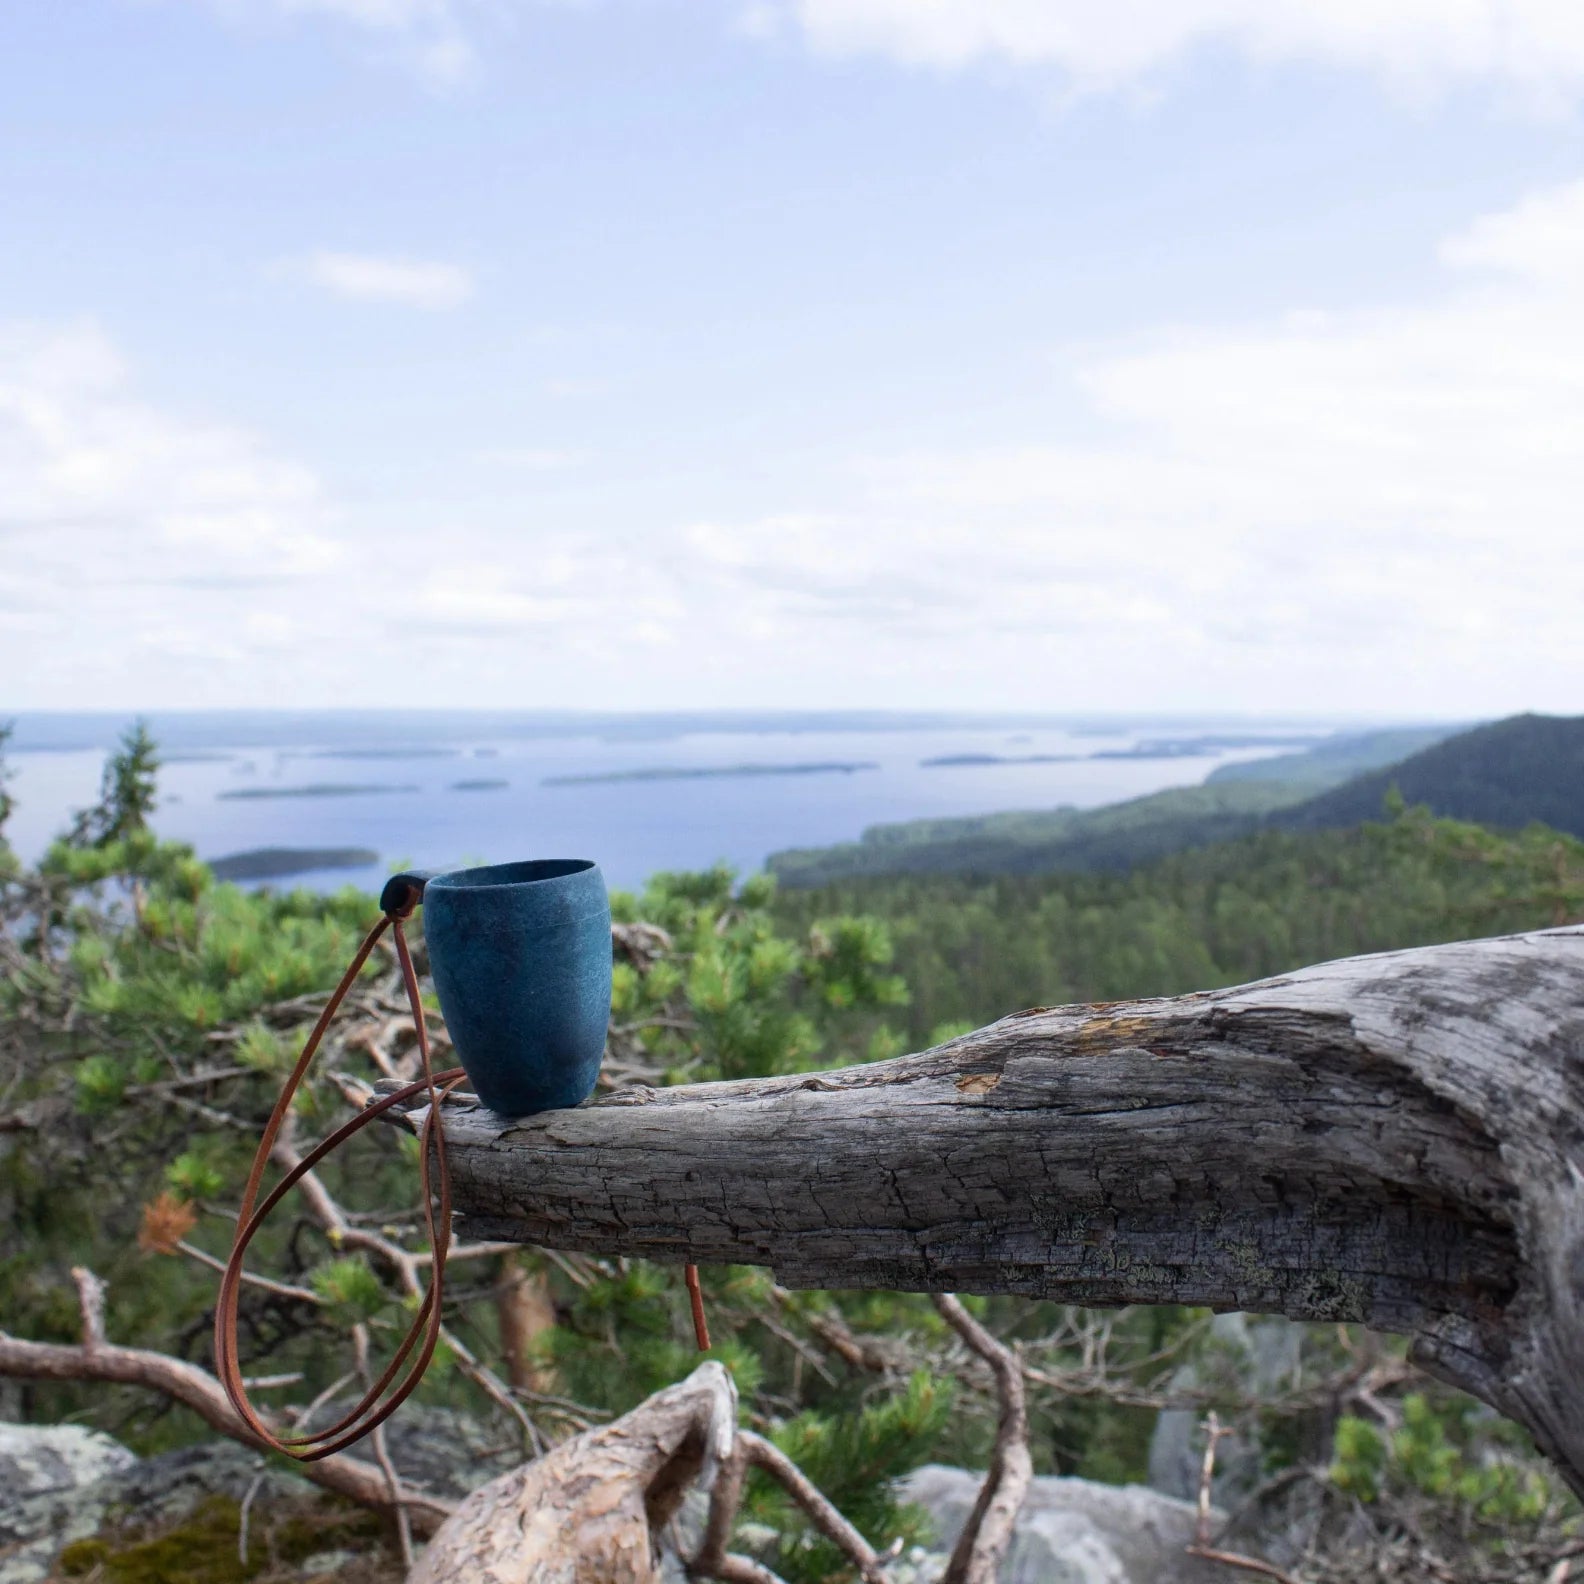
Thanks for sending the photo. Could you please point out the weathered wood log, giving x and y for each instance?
(1396, 1140)
(593, 1507)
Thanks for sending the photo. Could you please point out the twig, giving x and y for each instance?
(1215, 1431)
(861, 1352)
(713, 1560)
(272, 1382)
(798, 1346)
(91, 1301)
(830, 1523)
(976, 1558)
(242, 1516)
(264, 1283)
(197, 1080)
(303, 1417)
(360, 1345)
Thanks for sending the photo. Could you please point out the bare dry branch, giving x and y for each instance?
(1201, 1547)
(987, 1534)
(185, 1383)
(1386, 1140)
(91, 1302)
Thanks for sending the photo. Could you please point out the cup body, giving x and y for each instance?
(521, 958)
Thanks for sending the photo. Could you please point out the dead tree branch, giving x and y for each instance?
(1201, 1547)
(95, 1359)
(594, 1506)
(976, 1558)
(1393, 1140)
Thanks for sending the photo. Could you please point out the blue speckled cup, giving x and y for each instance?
(521, 958)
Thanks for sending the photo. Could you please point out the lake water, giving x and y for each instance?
(422, 817)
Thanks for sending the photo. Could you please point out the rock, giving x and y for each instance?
(325, 1564)
(1073, 1531)
(682, 1535)
(35, 1459)
(52, 1480)
(445, 1452)
(918, 1567)
(165, 1488)
(60, 1483)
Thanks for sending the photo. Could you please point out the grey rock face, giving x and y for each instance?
(165, 1488)
(35, 1459)
(1074, 1531)
(60, 1483)
(445, 1452)
(50, 1479)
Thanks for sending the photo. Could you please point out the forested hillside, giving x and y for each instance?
(1507, 774)
(1337, 759)
(1233, 801)
(1035, 841)
(972, 950)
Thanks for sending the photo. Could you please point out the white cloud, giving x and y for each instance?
(1535, 47)
(415, 283)
(1347, 505)
(1541, 239)
(126, 530)
(1536, 44)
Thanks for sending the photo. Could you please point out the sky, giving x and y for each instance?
(1162, 355)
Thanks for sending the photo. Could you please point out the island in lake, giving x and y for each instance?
(420, 752)
(318, 789)
(712, 772)
(275, 863)
(495, 785)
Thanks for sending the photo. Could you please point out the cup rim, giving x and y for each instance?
(507, 876)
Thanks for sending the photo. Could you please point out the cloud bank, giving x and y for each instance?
(1373, 510)
(1533, 47)
(1536, 45)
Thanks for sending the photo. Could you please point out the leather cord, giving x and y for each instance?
(424, 1332)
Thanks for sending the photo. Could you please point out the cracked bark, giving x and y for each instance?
(1396, 1140)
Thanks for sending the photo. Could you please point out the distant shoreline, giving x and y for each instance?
(711, 772)
(973, 760)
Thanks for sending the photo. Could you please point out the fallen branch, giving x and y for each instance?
(1390, 1140)
(95, 1359)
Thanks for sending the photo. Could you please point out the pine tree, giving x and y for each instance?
(127, 793)
(7, 802)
